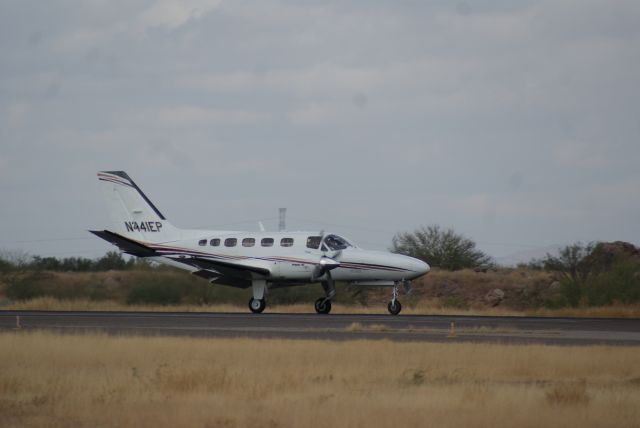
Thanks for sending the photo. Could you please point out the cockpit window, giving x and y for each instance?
(314, 242)
(335, 242)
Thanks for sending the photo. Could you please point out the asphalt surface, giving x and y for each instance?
(553, 331)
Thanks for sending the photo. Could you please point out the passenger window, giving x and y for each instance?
(248, 242)
(230, 242)
(215, 242)
(267, 242)
(202, 242)
(314, 242)
(286, 242)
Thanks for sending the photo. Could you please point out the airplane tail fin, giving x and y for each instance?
(133, 215)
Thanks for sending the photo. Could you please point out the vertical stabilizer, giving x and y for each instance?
(132, 213)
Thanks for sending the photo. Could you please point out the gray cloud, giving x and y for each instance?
(515, 123)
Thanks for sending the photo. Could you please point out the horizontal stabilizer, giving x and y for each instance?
(127, 245)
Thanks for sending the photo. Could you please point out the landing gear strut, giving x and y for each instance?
(323, 304)
(394, 305)
(257, 305)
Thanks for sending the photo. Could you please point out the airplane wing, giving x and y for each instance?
(225, 268)
(237, 273)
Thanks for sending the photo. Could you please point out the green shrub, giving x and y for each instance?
(155, 293)
(455, 302)
(571, 291)
(443, 248)
(24, 287)
(621, 284)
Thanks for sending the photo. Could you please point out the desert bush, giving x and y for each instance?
(586, 279)
(621, 284)
(571, 270)
(34, 284)
(23, 287)
(5, 266)
(441, 248)
(154, 293)
(568, 394)
(455, 302)
(570, 262)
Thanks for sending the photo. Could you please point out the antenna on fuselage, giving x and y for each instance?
(283, 214)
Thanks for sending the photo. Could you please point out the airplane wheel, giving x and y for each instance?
(322, 306)
(394, 307)
(257, 305)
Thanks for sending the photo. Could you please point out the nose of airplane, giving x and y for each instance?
(418, 266)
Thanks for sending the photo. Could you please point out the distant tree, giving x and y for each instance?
(45, 263)
(77, 264)
(441, 248)
(570, 262)
(5, 265)
(573, 269)
(111, 261)
(16, 259)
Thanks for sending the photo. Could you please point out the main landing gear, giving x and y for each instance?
(257, 305)
(394, 305)
(323, 304)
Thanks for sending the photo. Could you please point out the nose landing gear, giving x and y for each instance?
(323, 304)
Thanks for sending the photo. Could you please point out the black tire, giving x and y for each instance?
(323, 306)
(394, 309)
(257, 305)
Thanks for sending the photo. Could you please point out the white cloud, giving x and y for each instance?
(581, 154)
(430, 110)
(189, 116)
(172, 14)
(17, 115)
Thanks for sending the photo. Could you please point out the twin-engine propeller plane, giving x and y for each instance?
(256, 260)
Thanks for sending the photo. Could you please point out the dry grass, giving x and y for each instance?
(356, 326)
(421, 308)
(94, 380)
(616, 311)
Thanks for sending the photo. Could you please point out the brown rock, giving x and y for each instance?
(494, 297)
(555, 286)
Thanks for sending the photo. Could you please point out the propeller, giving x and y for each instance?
(326, 263)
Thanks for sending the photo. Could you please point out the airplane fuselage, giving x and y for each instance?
(288, 256)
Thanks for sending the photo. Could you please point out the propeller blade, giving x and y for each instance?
(324, 266)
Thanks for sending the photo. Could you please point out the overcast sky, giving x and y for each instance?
(515, 123)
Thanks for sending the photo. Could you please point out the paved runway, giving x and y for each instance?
(560, 331)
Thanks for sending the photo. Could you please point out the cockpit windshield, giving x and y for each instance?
(335, 242)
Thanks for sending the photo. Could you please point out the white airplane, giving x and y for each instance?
(260, 260)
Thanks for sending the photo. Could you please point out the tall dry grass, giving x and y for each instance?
(94, 380)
